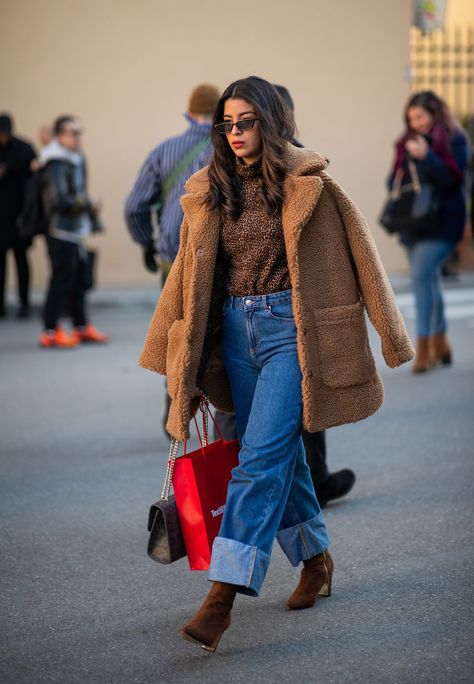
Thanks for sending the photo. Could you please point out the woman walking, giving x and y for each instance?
(264, 311)
(437, 145)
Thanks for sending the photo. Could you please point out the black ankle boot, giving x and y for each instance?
(334, 486)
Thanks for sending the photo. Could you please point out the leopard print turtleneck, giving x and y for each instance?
(253, 246)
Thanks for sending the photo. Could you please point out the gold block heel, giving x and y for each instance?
(324, 591)
(327, 586)
(213, 646)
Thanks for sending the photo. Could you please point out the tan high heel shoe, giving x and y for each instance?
(212, 619)
(440, 349)
(316, 580)
(422, 362)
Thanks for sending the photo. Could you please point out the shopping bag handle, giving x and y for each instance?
(206, 412)
(204, 440)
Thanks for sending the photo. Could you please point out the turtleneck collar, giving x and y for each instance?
(249, 170)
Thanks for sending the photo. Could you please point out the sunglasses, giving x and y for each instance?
(242, 125)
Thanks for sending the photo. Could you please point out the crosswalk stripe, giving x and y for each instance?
(459, 303)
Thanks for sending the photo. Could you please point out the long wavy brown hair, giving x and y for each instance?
(438, 108)
(277, 128)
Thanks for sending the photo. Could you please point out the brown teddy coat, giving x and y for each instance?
(335, 273)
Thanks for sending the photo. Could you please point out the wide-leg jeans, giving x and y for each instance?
(271, 493)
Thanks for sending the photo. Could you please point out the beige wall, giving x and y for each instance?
(126, 68)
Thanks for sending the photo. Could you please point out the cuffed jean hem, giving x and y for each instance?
(237, 563)
(304, 540)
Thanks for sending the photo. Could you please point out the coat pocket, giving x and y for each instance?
(175, 355)
(344, 354)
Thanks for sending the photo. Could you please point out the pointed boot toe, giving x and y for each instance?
(212, 619)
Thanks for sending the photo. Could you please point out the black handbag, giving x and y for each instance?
(166, 543)
(412, 208)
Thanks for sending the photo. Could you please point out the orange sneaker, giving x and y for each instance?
(89, 334)
(56, 338)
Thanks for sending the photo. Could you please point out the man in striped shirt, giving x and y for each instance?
(160, 182)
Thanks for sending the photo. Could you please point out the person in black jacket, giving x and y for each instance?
(328, 486)
(16, 157)
(71, 216)
(435, 143)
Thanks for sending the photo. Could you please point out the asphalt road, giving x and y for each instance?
(83, 456)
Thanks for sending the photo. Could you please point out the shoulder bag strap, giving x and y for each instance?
(170, 181)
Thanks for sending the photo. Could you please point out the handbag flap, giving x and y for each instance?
(152, 515)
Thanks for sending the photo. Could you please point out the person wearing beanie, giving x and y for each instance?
(160, 184)
(16, 157)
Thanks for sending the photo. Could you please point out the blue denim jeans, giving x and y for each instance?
(271, 493)
(426, 259)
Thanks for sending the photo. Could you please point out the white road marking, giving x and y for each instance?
(459, 304)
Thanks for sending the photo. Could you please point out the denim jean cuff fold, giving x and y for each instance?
(304, 540)
(238, 563)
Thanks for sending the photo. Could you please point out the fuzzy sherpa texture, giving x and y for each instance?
(336, 274)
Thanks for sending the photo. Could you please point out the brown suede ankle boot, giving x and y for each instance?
(316, 580)
(212, 618)
(440, 349)
(422, 362)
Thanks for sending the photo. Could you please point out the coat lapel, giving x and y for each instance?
(203, 243)
(301, 196)
(204, 225)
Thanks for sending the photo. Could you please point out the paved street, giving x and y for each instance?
(83, 456)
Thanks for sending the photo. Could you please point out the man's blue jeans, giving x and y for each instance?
(271, 491)
(426, 259)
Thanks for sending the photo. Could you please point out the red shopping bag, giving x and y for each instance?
(200, 481)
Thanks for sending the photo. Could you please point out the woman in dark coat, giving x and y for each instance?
(16, 157)
(438, 146)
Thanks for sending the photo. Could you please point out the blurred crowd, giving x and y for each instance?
(46, 194)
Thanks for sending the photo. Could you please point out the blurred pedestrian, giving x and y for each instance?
(72, 216)
(16, 157)
(160, 184)
(264, 311)
(437, 146)
(328, 486)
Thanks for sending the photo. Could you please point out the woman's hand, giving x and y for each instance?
(195, 399)
(417, 147)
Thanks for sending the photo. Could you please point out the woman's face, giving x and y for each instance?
(420, 120)
(247, 145)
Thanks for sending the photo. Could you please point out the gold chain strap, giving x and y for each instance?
(204, 408)
(165, 492)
